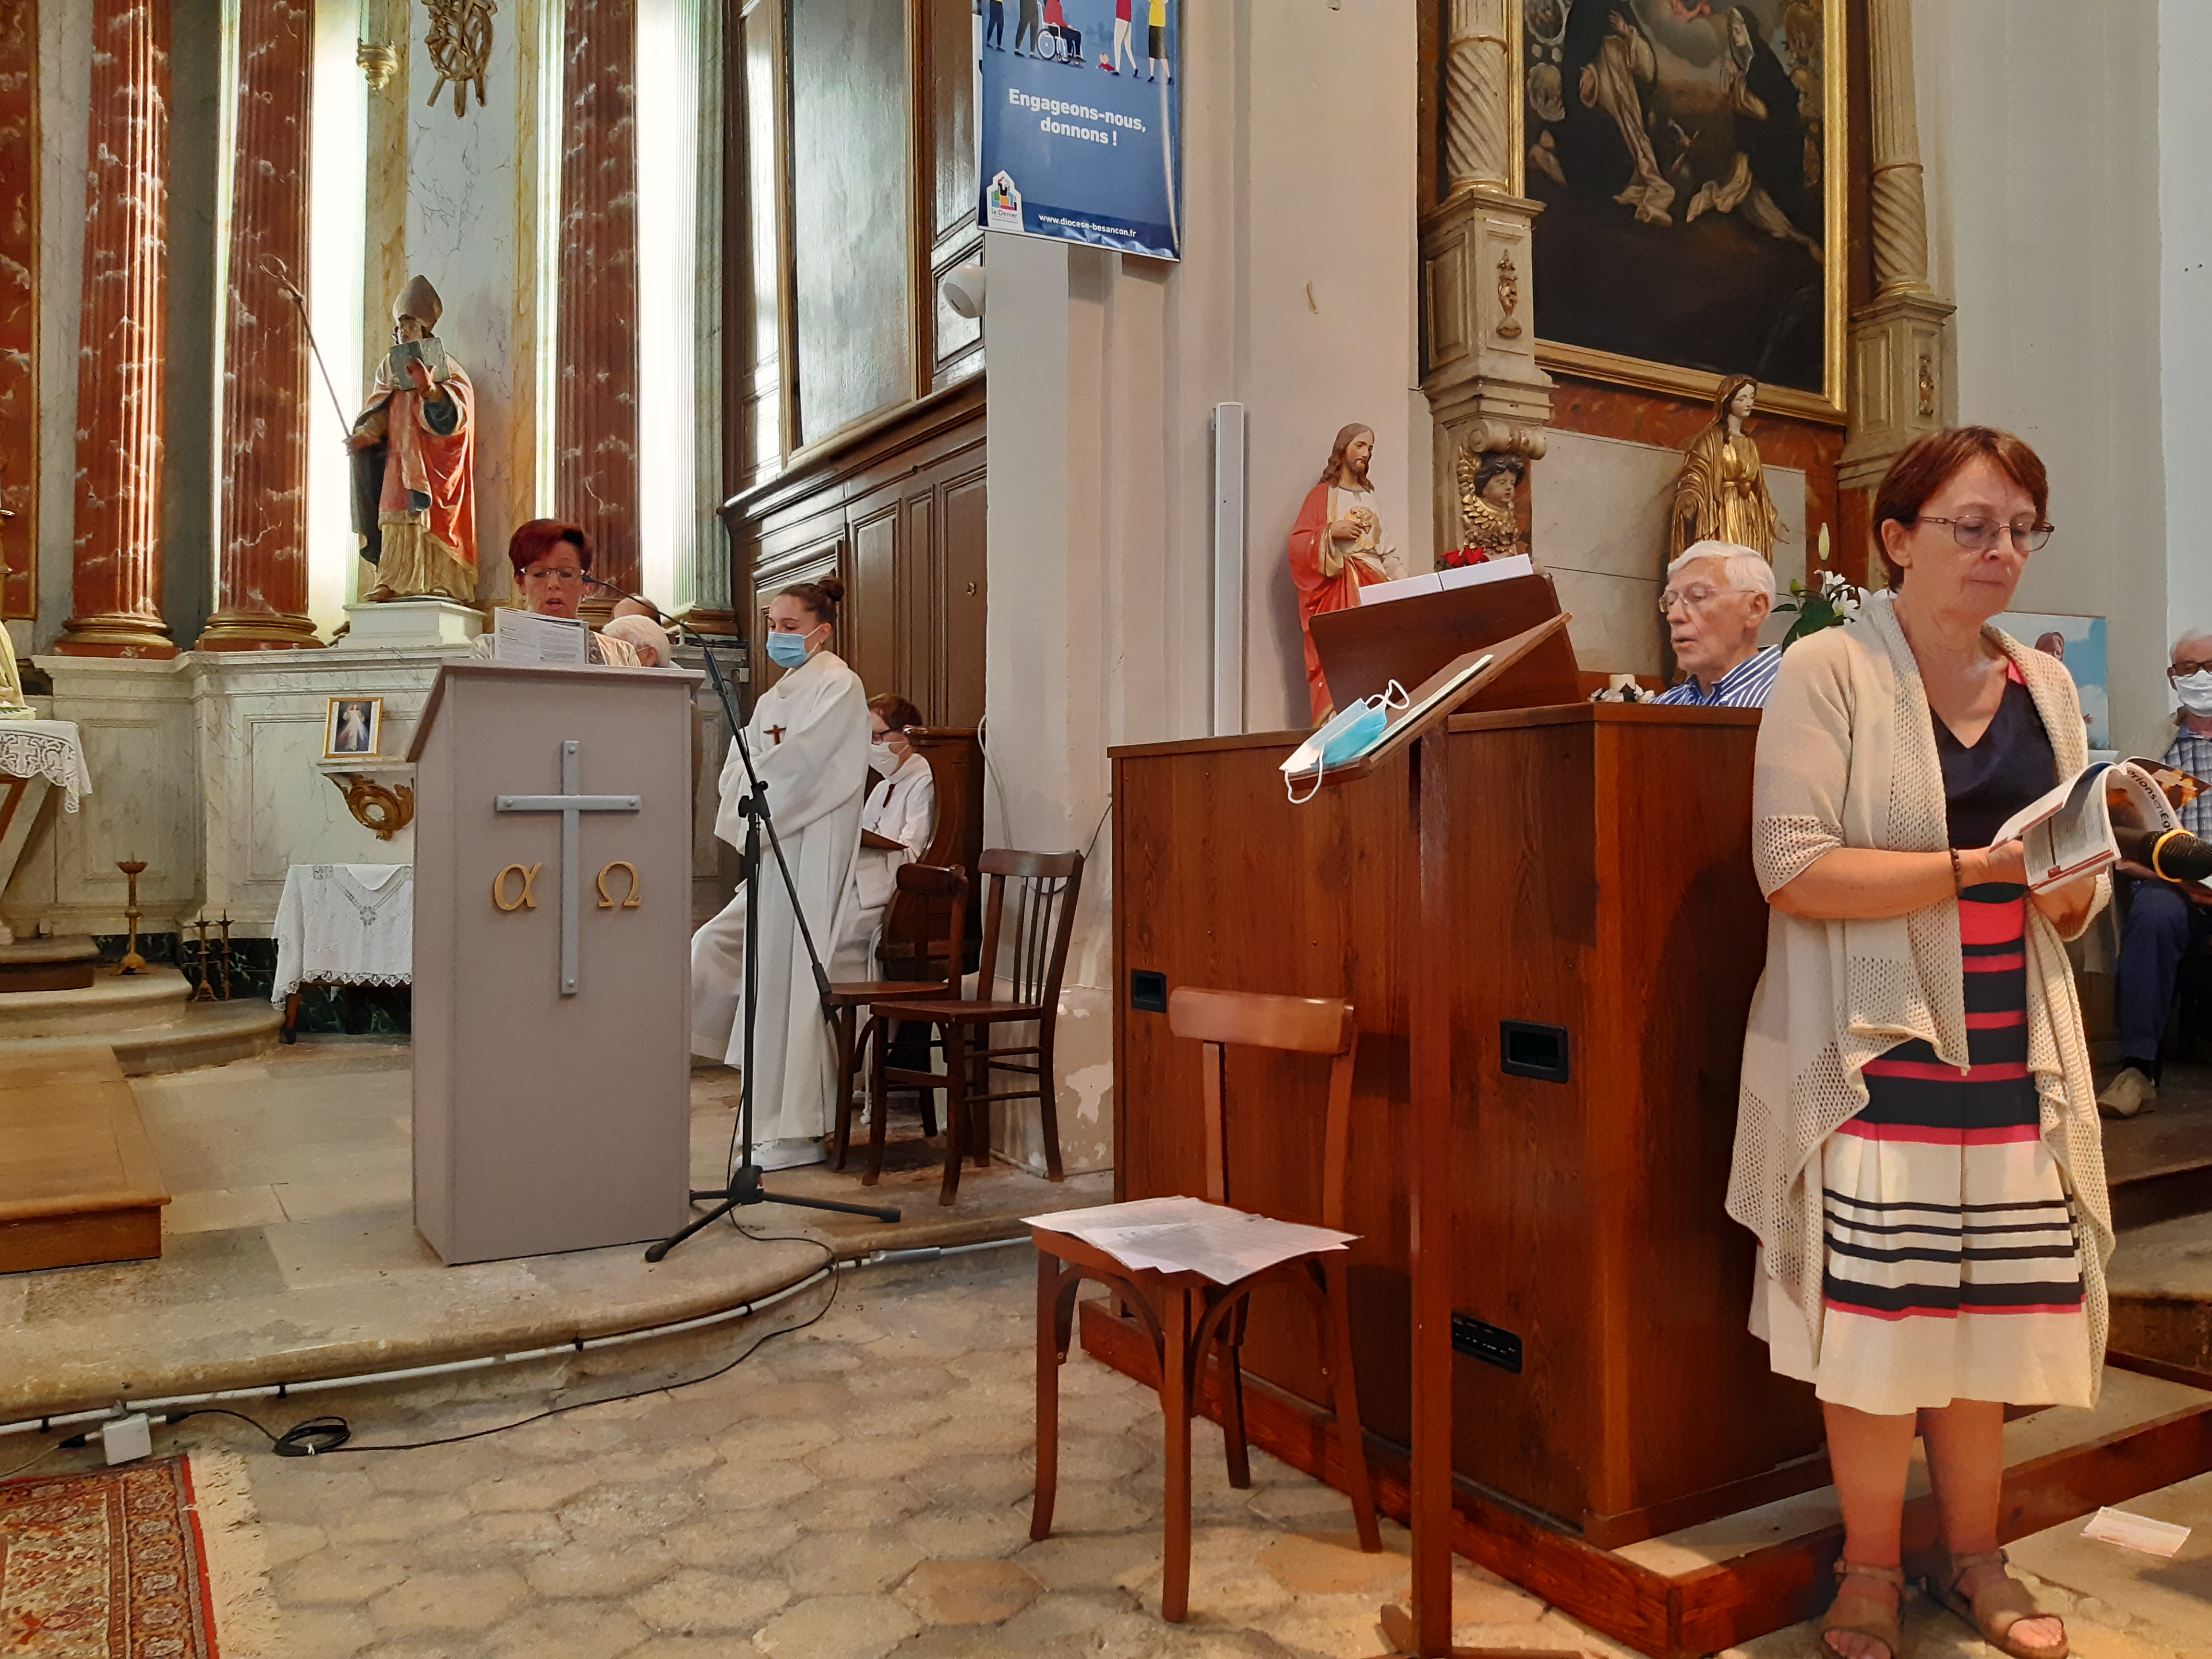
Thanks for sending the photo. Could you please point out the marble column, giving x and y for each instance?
(19, 305)
(261, 550)
(117, 576)
(596, 421)
(1899, 352)
(1479, 369)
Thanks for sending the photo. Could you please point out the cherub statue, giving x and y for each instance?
(1720, 495)
(1489, 521)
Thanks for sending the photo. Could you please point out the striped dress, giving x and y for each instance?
(1952, 1270)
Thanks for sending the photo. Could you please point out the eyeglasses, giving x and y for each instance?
(1694, 599)
(551, 573)
(1980, 535)
(2184, 668)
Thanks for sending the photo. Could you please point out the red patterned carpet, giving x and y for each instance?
(105, 1566)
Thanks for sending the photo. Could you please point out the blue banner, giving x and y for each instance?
(1077, 126)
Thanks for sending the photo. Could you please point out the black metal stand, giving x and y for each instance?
(745, 1186)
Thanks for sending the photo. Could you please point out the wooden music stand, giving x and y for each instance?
(1527, 658)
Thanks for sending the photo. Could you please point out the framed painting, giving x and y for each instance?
(354, 728)
(1690, 158)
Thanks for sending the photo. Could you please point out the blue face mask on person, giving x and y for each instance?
(788, 650)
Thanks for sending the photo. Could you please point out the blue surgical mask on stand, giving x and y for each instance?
(1344, 739)
(787, 650)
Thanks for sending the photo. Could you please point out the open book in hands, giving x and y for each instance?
(2075, 830)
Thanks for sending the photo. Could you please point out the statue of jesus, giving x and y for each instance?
(414, 456)
(1338, 545)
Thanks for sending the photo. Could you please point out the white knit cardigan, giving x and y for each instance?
(1847, 758)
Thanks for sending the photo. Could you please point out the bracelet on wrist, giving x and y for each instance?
(1958, 876)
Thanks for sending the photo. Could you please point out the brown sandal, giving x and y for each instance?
(2000, 1605)
(1855, 1613)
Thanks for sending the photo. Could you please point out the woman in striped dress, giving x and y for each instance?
(1916, 1145)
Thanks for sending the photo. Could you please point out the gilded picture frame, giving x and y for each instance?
(1672, 144)
(353, 728)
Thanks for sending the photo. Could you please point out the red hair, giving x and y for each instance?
(1933, 459)
(535, 540)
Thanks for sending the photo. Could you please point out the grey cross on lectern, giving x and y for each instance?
(570, 805)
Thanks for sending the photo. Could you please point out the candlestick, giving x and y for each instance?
(132, 869)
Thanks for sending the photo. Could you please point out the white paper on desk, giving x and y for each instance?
(2136, 1532)
(1405, 587)
(1188, 1235)
(1491, 570)
(525, 636)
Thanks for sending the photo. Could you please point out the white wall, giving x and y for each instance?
(2040, 128)
(2184, 208)
(64, 106)
(1296, 297)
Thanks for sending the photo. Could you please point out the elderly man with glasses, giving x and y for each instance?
(1717, 595)
(2164, 918)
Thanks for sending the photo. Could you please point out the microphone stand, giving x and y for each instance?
(745, 1186)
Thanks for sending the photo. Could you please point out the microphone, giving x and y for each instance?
(2173, 853)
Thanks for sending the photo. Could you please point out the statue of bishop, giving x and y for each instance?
(414, 460)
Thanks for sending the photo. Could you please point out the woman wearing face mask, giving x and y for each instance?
(808, 737)
(894, 829)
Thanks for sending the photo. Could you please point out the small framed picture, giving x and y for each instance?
(353, 728)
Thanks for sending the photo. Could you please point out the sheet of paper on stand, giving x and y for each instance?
(1189, 1235)
(523, 636)
(2136, 1532)
(1444, 581)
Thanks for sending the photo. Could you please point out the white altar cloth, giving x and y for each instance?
(345, 924)
(49, 750)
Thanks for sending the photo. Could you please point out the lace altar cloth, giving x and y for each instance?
(48, 749)
(345, 924)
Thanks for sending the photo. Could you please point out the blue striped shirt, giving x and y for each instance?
(1744, 686)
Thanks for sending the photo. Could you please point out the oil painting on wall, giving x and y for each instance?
(1688, 157)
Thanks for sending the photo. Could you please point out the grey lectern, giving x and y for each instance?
(552, 963)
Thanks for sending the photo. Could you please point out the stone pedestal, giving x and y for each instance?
(410, 625)
(1898, 381)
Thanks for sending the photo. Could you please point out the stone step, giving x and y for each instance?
(2160, 1285)
(2158, 1165)
(201, 1034)
(113, 1002)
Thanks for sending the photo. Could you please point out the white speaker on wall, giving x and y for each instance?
(1229, 484)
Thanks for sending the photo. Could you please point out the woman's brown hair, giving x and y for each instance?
(898, 714)
(822, 599)
(1931, 461)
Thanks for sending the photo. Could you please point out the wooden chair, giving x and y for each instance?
(1187, 1314)
(956, 841)
(937, 898)
(1036, 929)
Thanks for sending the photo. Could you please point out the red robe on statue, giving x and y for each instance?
(1327, 581)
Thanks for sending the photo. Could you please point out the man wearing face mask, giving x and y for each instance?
(808, 737)
(2164, 918)
(894, 829)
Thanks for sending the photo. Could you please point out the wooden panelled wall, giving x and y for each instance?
(855, 394)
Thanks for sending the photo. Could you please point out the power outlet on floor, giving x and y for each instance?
(127, 1440)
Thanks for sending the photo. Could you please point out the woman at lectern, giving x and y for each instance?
(552, 564)
(1916, 1142)
(808, 737)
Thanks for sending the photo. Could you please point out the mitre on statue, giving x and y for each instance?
(419, 300)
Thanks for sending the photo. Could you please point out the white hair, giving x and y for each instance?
(1745, 571)
(642, 631)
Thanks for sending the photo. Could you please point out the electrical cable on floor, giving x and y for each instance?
(320, 1437)
(35, 1462)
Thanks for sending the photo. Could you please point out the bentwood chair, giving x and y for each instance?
(942, 895)
(1029, 913)
(1188, 1314)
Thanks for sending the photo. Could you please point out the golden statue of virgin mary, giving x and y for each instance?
(1720, 495)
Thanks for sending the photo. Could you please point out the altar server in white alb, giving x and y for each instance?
(894, 829)
(809, 740)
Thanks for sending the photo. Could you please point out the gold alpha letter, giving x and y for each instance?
(527, 873)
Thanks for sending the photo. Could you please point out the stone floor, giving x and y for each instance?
(290, 1249)
(860, 1488)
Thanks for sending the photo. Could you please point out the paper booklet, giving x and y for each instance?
(1189, 1235)
(1443, 581)
(526, 636)
(2068, 834)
